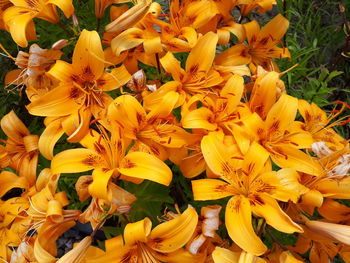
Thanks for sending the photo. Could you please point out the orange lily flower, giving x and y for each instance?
(332, 181)
(142, 244)
(319, 124)
(19, 17)
(3, 6)
(21, 147)
(124, 18)
(198, 77)
(152, 132)
(335, 212)
(46, 205)
(247, 6)
(82, 87)
(32, 70)
(106, 156)
(279, 134)
(12, 214)
(217, 111)
(262, 44)
(179, 33)
(254, 188)
(223, 255)
(101, 5)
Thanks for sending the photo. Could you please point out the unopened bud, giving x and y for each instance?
(124, 209)
(75, 20)
(60, 44)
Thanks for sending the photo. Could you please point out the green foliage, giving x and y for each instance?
(151, 199)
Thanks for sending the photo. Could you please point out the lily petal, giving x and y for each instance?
(174, 234)
(145, 166)
(238, 218)
(76, 160)
(211, 189)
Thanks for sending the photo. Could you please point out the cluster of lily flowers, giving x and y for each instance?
(220, 114)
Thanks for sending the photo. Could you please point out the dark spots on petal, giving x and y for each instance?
(193, 68)
(91, 160)
(139, 118)
(128, 164)
(280, 153)
(154, 150)
(74, 78)
(307, 116)
(256, 200)
(99, 148)
(157, 239)
(226, 168)
(237, 205)
(260, 132)
(264, 41)
(259, 109)
(74, 93)
(274, 126)
(100, 82)
(245, 53)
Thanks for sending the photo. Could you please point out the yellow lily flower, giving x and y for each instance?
(81, 89)
(129, 18)
(198, 76)
(143, 34)
(106, 157)
(152, 132)
(262, 44)
(46, 205)
(142, 244)
(336, 232)
(45, 250)
(233, 60)
(10, 180)
(179, 30)
(223, 255)
(21, 147)
(24, 252)
(319, 124)
(3, 6)
(32, 70)
(19, 17)
(332, 181)
(12, 225)
(247, 6)
(254, 189)
(101, 5)
(280, 135)
(335, 212)
(217, 111)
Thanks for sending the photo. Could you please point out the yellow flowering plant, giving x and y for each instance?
(169, 136)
